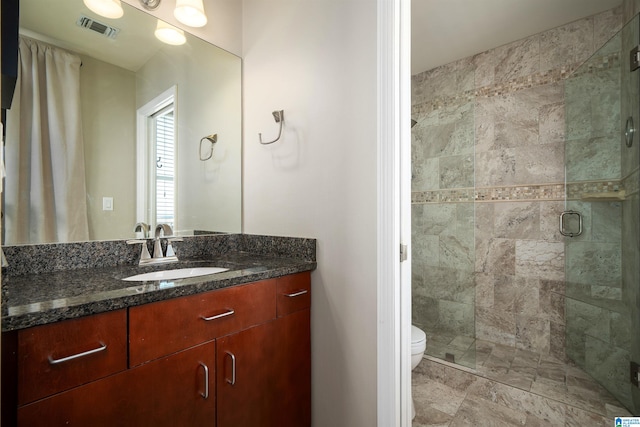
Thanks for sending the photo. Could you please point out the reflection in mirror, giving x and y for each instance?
(117, 140)
(156, 164)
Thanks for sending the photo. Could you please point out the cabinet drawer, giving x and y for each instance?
(293, 293)
(178, 390)
(59, 356)
(165, 327)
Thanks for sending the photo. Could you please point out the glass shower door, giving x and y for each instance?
(601, 217)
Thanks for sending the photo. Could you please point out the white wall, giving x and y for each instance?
(316, 60)
(224, 22)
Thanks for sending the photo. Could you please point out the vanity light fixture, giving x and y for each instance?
(169, 34)
(190, 12)
(108, 8)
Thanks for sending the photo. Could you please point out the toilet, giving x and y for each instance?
(418, 346)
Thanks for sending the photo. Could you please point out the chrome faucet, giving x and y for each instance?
(143, 228)
(161, 231)
(166, 231)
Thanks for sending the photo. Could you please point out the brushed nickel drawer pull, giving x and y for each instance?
(229, 312)
(53, 361)
(232, 381)
(296, 294)
(205, 395)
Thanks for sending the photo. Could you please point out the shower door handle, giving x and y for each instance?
(562, 223)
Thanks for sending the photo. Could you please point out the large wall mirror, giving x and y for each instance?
(123, 142)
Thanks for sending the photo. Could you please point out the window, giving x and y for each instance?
(164, 142)
(156, 165)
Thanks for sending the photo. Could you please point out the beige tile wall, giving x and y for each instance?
(491, 130)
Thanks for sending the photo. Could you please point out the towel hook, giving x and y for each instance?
(279, 118)
(212, 139)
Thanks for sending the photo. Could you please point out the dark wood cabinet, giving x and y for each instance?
(293, 293)
(264, 374)
(161, 328)
(178, 390)
(292, 365)
(239, 356)
(245, 377)
(58, 356)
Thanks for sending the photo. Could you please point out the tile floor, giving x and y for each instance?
(509, 387)
(461, 347)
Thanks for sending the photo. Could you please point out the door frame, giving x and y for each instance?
(143, 172)
(394, 213)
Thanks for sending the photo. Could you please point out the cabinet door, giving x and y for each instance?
(264, 375)
(292, 381)
(244, 377)
(171, 391)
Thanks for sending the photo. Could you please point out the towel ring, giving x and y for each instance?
(212, 139)
(278, 116)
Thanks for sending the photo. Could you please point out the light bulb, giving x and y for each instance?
(190, 12)
(107, 8)
(169, 34)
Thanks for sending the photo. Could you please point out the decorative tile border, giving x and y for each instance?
(443, 196)
(574, 191)
(443, 102)
(491, 194)
(524, 192)
(578, 190)
(539, 79)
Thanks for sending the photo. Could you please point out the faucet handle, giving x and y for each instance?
(144, 254)
(4, 259)
(170, 251)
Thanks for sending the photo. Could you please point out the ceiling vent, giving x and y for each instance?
(97, 26)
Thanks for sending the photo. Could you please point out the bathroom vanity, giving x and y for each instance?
(229, 349)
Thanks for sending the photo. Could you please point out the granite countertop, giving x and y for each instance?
(37, 299)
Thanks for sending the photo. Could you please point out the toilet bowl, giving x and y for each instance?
(418, 346)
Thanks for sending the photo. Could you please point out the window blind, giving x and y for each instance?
(165, 168)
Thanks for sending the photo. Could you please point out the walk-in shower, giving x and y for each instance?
(506, 142)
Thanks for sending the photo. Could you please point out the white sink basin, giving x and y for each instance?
(180, 273)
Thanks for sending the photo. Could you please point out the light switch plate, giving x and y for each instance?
(107, 203)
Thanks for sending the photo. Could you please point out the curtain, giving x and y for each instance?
(45, 197)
